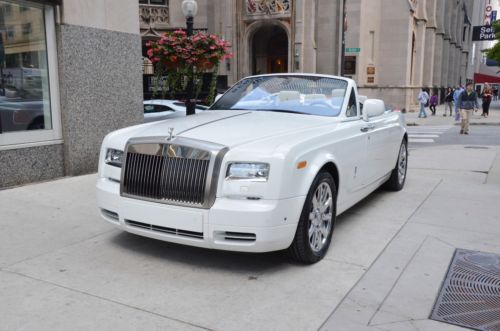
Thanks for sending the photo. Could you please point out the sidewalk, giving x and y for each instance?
(64, 268)
(411, 117)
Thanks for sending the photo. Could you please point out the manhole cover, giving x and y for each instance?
(470, 295)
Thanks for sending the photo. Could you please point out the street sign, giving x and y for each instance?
(353, 50)
(485, 32)
(493, 16)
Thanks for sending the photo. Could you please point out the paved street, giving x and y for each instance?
(62, 267)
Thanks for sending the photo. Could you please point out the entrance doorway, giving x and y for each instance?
(269, 50)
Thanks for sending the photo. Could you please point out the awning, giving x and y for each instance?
(481, 79)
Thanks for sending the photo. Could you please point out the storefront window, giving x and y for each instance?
(25, 98)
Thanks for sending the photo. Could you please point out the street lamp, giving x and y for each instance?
(190, 9)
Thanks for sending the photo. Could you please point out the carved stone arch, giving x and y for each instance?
(250, 31)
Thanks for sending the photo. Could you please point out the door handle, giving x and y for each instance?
(367, 127)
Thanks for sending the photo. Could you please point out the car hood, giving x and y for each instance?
(229, 128)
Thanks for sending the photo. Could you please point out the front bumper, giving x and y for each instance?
(231, 224)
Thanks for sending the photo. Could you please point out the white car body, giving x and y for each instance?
(244, 215)
(165, 109)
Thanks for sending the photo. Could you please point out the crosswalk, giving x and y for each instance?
(426, 134)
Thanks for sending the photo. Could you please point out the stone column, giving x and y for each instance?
(309, 41)
(428, 71)
(419, 54)
(100, 76)
(438, 60)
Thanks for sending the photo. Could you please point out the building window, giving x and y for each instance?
(153, 2)
(26, 28)
(10, 32)
(6, 9)
(29, 112)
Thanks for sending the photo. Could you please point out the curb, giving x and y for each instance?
(473, 123)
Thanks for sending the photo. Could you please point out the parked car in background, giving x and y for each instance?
(267, 167)
(21, 114)
(160, 109)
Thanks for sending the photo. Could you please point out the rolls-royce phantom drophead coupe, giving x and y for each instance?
(268, 167)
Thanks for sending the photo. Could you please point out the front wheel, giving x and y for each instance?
(398, 175)
(315, 228)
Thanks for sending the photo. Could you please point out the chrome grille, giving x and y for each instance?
(171, 173)
(166, 178)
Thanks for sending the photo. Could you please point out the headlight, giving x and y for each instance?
(114, 157)
(255, 172)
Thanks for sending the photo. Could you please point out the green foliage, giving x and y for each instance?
(493, 53)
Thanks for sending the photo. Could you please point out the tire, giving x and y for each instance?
(398, 175)
(310, 248)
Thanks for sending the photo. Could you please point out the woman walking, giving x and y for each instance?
(433, 103)
(448, 101)
(487, 96)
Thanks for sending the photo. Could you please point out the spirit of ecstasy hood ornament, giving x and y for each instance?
(170, 134)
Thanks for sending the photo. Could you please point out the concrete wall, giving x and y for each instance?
(101, 90)
(115, 15)
(24, 165)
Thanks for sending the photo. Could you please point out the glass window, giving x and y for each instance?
(153, 2)
(148, 109)
(311, 95)
(26, 29)
(352, 109)
(24, 90)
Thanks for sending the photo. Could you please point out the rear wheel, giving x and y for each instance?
(398, 176)
(315, 228)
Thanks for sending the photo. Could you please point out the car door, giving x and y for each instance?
(378, 148)
(354, 146)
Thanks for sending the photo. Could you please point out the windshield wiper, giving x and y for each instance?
(283, 111)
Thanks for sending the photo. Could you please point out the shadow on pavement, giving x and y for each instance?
(203, 258)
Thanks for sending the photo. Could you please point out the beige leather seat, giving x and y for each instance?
(288, 96)
(338, 93)
(310, 97)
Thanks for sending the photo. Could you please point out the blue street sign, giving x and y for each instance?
(493, 16)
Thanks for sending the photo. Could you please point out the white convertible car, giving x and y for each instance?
(268, 167)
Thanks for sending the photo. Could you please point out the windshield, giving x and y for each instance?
(292, 94)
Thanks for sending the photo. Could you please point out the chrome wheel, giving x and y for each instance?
(320, 216)
(402, 164)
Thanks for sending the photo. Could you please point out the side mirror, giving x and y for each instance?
(217, 97)
(373, 108)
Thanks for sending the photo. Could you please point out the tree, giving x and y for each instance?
(493, 53)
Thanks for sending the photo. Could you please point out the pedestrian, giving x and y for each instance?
(433, 103)
(467, 102)
(456, 94)
(487, 95)
(423, 99)
(495, 93)
(448, 101)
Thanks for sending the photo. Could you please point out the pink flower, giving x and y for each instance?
(150, 53)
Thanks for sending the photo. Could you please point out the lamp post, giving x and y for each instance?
(189, 9)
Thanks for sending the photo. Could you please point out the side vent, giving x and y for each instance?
(236, 236)
(111, 215)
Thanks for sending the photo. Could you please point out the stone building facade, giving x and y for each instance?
(267, 35)
(71, 73)
(406, 45)
(393, 47)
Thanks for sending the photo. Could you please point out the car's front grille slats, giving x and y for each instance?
(167, 178)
